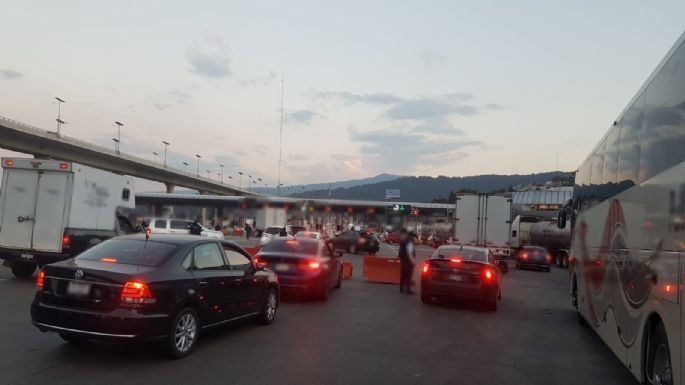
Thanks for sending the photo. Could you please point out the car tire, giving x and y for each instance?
(321, 293)
(183, 333)
(352, 249)
(22, 269)
(73, 339)
(490, 303)
(269, 307)
(338, 284)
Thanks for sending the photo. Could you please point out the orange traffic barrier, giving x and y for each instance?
(252, 250)
(347, 269)
(382, 269)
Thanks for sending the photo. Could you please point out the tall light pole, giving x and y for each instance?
(198, 164)
(230, 178)
(59, 115)
(166, 144)
(155, 154)
(260, 181)
(240, 185)
(249, 184)
(186, 164)
(118, 141)
(221, 174)
(280, 146)
(278, 189)
(208, 174)
(116, 144)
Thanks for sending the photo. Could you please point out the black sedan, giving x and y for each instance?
(304, 265)
(353, 242)
(463, 272)
(533, 257)
(166, 288)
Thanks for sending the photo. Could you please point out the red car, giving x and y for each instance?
(394, 237)
(463, 272)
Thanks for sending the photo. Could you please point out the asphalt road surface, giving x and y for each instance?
(364, 334)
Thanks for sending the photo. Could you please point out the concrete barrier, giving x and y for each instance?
(347, 270)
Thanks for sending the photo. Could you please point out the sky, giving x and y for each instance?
(433, 88)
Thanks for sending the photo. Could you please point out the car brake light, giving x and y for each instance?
(425, 268)
(549, 258)
(455, 260)
(108, 259)
(524, 256)
(259, 262)
(488, 274)
(310, 265)
(136, 292)
(40, 280)
(66, 241)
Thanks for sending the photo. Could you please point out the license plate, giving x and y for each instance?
(78, 289)
(282, 267)
(26, 256)
(456, 278)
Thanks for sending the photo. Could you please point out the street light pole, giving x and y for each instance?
(59, 115)
(155, 154)
(240, 185)
(207, 173)
(166, 144)
(186, 164)
(118, 141)
(222, 173)
(249, 184)
(230, 178)
(198, 164)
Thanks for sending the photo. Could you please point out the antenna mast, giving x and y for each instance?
(280, 148)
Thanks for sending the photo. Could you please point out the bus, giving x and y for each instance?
(628, 219)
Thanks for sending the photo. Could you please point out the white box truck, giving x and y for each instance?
(52, 210)
(269, 217)
(484, 220)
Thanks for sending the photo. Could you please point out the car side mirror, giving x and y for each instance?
(503, 265)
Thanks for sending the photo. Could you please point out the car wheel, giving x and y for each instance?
(321, 293)
(183, 333)
(338, 284)
(269, 307)
(490, 304)
(659, 370)
(353, 249)
(74, 339)
(23, 269)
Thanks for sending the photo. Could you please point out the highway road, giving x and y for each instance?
(364, 334)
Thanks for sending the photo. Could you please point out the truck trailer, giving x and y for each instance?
(534, 231)
(484, 220)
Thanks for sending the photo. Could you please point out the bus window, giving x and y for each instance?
(629, 152)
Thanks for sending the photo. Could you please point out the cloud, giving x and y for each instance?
(431, 107)
(439, 126)
(301, 116)
(297, 157)
(259, 81)
(396, 149)
(162, 106)
(10, 74)
(379, 98)
(494, 106)
(210, 57)
(180, 96)
(433, 61)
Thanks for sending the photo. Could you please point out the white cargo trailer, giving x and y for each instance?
(51, 210)
(484, 220)
(269, 217)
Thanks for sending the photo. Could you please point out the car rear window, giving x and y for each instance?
(129, 251)
(297, 246)
(463, 254)
(273, 230)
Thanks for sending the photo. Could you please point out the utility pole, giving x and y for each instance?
(166, 144)
(59, 115)
(198, 164)
(118, 141)
(222, 173)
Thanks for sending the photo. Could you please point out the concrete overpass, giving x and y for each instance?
(20, 137)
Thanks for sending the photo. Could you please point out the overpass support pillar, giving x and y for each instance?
(169, 187)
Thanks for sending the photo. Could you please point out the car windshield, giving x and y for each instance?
(129, 251)
(273, 230)
(458, 253)
(297, 246)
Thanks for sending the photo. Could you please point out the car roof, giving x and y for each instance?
(177, 239)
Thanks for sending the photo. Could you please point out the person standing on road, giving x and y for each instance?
(407, 255)
(248, 231)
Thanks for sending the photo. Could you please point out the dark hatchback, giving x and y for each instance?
(304, 265)
(463, 272)
(535, 257)
(166, 288)
(354, 242)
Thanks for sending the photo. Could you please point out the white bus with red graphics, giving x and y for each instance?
(628, 220)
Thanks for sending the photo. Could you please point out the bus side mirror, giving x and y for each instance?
(561, 219)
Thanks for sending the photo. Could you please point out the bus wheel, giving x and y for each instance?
(659, 358)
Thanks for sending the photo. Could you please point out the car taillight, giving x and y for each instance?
(549, 258)
(524, 255)
(455, 260)
(488, 274)
(136, 292)
(259, 262)
(40, 280)
(425, 268)
(310, 265)
(66, 241)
